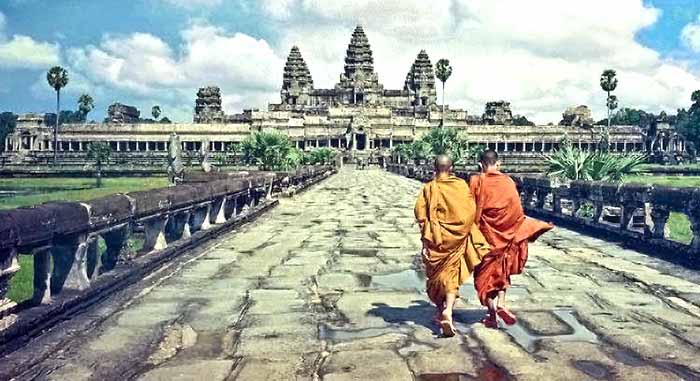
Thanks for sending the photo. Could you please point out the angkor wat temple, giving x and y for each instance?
(358, 116)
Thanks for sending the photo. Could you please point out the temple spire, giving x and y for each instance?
(358, 58)
(420, 81)
(296, 80)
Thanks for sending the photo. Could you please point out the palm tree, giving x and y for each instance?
(608, 83)
(270, 151)
(443, 71)
(100, 152)
(85, 105)
(58, 79)
(155, 111)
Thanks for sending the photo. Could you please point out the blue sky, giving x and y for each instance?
(543, 58)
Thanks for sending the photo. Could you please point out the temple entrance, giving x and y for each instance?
(361, 141)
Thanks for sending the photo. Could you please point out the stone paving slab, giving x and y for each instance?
(327, 287)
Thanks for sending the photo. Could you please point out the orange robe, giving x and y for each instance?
(501, 219)
(445, 211)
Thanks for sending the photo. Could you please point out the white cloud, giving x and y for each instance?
(25, 52)
(194, 4)
(690, 35)
(543, 56)
(144, 66)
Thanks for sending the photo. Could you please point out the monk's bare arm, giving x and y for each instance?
(421, 209)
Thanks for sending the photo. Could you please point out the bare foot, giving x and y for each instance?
(448, 329)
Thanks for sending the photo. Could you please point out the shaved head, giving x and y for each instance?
(443, 164)
(488, 158)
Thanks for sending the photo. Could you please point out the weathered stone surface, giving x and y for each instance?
(120, 113)
(497, 112)
(589, 309)
(208, 105)
(579, 116)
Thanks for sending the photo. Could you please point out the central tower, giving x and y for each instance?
(359, 83)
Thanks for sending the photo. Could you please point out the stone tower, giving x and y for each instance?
(296, 81)
(207, 107)
(497, 112)
(420, 81)
(359, 83)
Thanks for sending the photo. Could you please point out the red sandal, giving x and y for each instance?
(507, 316)
(489, 322)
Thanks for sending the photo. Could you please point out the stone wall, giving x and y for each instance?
(168, 219)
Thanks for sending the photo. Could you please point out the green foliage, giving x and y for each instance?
(320, 156)
(630, 117)
(443, 70)
(100, 152)
(271, 151)
(520, 120)
(85, 105)
(570, 163)
(608, 80)
(688, 122)
(57, 77)
(155, 111)
(8, 122)
(439, 141)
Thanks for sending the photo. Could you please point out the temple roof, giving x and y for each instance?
(421, 74)
(295, 70)
(359, 55)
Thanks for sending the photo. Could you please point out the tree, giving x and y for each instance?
(688, 121)
(443, 71)
(270, 151)
(155, 111)
(608, 82)
(100, 152)
(520, 120)
(8, 122)
(570, 163)
(58, 79)
(85, 105)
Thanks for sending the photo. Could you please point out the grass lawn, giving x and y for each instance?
(672, 181)
(39, 190)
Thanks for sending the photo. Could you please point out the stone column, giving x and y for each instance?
(117, 242)
(42, 275)
(154, 234)
(217, 215)
(178, 227)
(626, 215)
(505, 146)
(200, 218)
(8, 268)
(70, 264)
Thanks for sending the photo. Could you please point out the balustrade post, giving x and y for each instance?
(540, 195)
(8, 267)
(597, 210)
(659, 217)
(154, 234)
(217, 214)
(42, 275)
(199, 220)
(626, 215)
(70, 263)
(694, 217)
(556, 202)
(116, 242)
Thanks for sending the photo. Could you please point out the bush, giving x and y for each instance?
(570, 163)
(270, 151)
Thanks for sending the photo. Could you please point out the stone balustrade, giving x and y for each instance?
(635, 213)
(67, 233)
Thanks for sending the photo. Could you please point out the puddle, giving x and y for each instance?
(593, 369)
(628, 358)
(338, 335)
(359, 252)
(407, 280)
(444, 377)
(528, 340)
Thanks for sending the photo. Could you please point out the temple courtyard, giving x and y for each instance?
(328, 286)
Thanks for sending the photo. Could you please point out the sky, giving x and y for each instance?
(541, 55)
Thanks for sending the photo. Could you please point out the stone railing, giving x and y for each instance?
(66, 234)
(635, 213)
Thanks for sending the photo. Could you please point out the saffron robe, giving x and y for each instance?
(445, 211)
(501, 219)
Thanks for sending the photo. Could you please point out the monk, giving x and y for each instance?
(452, 245)
(501, 219)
